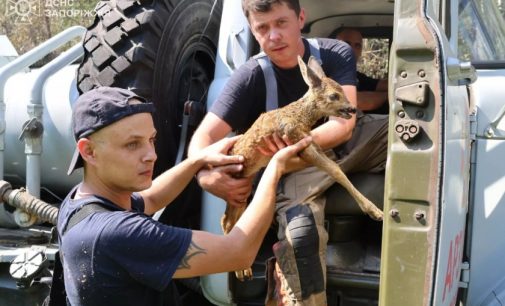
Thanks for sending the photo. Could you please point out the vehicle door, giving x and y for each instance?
(427, 175)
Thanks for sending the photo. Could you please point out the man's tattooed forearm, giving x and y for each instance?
(193, 250)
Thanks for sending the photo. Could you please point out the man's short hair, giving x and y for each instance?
(264, 6)
(100, 107)
(344, 29)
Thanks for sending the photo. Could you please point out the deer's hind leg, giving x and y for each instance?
(315, 156)
(230, 217)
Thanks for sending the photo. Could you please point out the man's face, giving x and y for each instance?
(354, 39)
(279, 34)
(124, 153)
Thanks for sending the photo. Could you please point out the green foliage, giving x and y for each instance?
(375, 57)
(29, 26)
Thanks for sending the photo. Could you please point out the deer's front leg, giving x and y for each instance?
(315, 156)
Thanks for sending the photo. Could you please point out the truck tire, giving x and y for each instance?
(164, 50)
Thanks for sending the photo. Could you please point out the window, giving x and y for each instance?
(375, 57)
(481, 32)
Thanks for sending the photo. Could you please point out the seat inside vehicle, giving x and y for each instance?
(340, 202)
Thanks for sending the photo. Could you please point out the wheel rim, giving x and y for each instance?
(195, 73)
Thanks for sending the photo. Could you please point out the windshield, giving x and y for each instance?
(481, 30)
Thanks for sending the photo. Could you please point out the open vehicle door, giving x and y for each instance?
(429, 152)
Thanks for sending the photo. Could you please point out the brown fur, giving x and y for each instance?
(325, 97)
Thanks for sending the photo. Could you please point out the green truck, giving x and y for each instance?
(443, 192)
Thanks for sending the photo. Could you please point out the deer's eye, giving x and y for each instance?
(334, 96)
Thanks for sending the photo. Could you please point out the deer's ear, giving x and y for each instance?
(316, 67)
(308, 74)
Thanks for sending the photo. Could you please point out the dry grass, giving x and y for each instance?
(375, 58)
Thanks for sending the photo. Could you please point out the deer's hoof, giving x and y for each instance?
(244, 275)
(377, 215)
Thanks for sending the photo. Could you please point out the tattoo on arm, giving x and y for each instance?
(193, 250)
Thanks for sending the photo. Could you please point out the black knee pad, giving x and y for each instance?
(305, 240)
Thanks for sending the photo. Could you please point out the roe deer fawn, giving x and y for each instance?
(325, 97)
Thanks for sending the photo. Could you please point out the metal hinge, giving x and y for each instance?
(465, 275)
(473, 136)
(473, 125)
(492, 131)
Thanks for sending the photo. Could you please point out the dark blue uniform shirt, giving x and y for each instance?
(243, 98)
(118, 257)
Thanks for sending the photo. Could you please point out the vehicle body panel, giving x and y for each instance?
(455, 166)
(234, 48)
(486, 249)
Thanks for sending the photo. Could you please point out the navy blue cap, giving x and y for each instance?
(99, 108)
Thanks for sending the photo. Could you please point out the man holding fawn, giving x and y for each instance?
(300, 252)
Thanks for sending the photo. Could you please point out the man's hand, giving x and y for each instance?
(218, 176)
(217, 154)
(282, 158)
(220, 182)
(273, 143)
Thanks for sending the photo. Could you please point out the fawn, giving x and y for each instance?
(325, 97)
